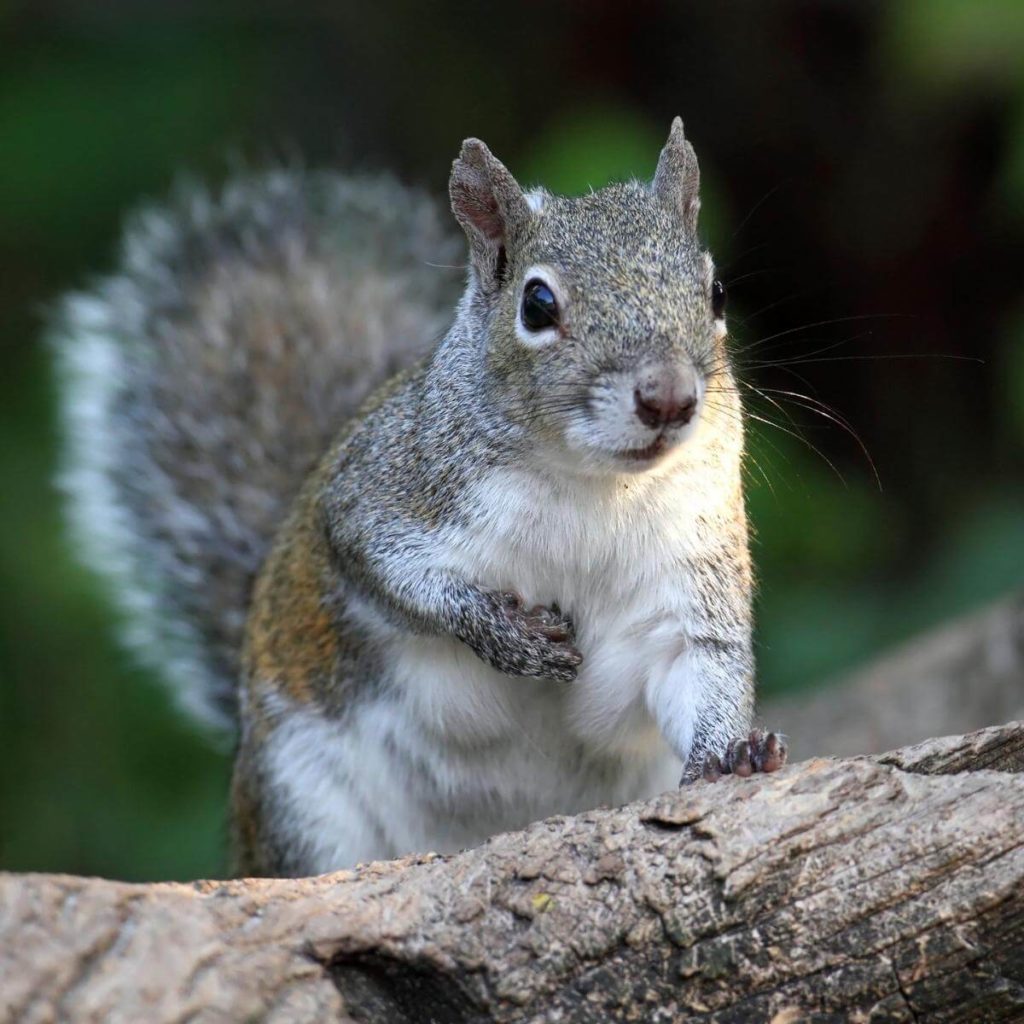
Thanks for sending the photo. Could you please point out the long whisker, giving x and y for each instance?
(733, 260)
(755, 437)
(798, 361)
(771, 305)
(737, 416)
(827, 412)
(802, 440)
(768, 398)
(824, 348)
(821, 323)
(733, 281)
(757, 206)
(757, 465)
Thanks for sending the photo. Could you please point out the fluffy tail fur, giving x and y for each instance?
(202, 380)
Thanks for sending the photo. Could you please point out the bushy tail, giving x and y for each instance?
(202, 380)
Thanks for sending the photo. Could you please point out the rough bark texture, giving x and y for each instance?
(867, 889)
(963, 676)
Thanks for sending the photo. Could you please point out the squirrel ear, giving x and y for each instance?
(489, 204)
(677, 179)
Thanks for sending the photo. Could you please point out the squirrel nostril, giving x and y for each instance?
(664, 408)
(648, 409)
(686, 411)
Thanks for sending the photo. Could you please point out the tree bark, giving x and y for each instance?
(866, 889)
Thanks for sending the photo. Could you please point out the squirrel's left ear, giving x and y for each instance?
(489, 204)
(677, 179)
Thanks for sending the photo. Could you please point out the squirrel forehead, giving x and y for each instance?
(619, 228)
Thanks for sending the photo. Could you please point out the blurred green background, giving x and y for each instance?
(860, 161)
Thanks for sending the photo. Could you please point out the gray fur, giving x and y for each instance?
(677, 178)
(203, 379)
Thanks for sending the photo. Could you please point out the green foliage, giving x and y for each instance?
(950, 44)
(1012, 377)
(592, 146)
(97, 111)
(83, 124)
(599, 143)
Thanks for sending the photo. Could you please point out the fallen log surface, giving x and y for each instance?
(865, 889)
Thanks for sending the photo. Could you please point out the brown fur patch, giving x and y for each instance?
(292, 642)
(245, 823)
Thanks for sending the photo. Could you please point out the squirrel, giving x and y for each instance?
(438, 588)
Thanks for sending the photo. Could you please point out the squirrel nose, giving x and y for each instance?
(666, 400)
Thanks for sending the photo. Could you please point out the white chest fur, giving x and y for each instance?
(458, 751)
(612, 559)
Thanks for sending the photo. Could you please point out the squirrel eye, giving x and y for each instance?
(540, 310)
(718, 299)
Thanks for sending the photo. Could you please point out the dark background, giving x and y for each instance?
(863, 168)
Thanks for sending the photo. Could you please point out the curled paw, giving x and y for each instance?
(549, 637)
(757, 752)
(537, 641)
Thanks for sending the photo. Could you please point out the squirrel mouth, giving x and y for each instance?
(656, 448)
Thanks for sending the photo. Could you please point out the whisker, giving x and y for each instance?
(822, 323)
(803, 440)
(798, 361)
(733, 281)
(771, 305)
(755, 437)
(756, 207)
(732, 261)
(757, 465)
(827, 412)
(778, 405)
(824, 348)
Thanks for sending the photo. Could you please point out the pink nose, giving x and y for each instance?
(666, 400)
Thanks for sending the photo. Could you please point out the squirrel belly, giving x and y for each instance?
(430, 748)
(438, 750)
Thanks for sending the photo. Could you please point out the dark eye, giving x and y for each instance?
(718, 299)
(540, 309)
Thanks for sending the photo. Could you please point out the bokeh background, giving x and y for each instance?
(863, 168)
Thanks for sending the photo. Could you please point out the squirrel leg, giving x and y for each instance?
(496, 625)
(702, 701)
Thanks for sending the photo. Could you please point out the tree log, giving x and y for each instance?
(964, 675)
(866, 889)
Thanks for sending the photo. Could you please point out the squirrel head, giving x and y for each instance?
(599, 317)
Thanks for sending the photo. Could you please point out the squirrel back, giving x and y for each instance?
(202, 380)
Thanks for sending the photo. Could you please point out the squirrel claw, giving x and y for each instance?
(772, 753)
(759, 752)
(541, 644)
(549, 623)
(739, 758)
(712, 768)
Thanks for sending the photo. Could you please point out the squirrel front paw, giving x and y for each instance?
(522, 641)
(757, 752)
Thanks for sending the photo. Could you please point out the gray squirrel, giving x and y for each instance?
(518, 582)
